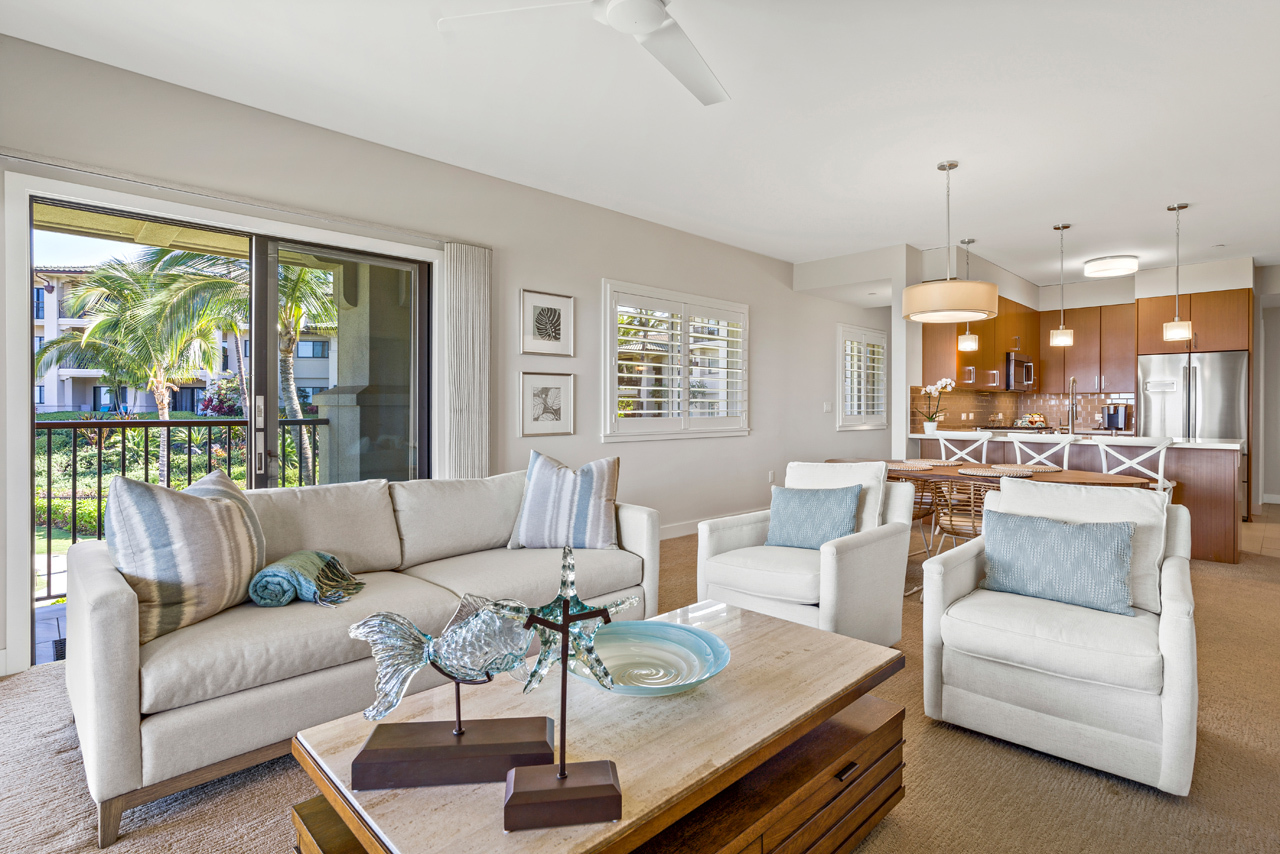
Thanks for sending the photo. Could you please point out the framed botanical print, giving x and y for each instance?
(546, 324)
(546, 404)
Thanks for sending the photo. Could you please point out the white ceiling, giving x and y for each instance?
(1095, 113)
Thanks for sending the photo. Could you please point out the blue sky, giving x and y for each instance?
(50, 248)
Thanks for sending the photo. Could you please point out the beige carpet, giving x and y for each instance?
(965, 792)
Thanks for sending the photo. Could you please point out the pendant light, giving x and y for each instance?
(968, 342)
(1062, 336)
(950, 300)
(1178, 329)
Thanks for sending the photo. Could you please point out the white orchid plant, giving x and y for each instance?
(933, 410)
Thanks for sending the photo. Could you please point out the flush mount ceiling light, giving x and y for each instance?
(950, 300)
(968, 342)
(1111, 265)
(1062, 336)
(1177, 329)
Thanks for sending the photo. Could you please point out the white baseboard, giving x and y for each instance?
(684, 529)
(1271, 499)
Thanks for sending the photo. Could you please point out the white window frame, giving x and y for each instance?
(848, 332)
(684, 427)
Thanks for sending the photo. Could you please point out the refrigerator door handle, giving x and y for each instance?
(1186, 400)
(1194, 402)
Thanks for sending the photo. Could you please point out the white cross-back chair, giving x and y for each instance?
(1114, 462)
(976, 439)
(1026, 445)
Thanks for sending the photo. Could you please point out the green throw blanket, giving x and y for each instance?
(313, 576)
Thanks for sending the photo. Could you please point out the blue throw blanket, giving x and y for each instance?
(312, 576)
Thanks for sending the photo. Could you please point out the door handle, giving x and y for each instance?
(969, 374)
(1017, 342)
(1104, 382)
(1095, 382)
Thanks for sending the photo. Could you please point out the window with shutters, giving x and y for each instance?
(677, 364)
(862, 378)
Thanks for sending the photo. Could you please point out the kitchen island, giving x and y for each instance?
(1207, 473)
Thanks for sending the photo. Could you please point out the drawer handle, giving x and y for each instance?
(846, 772)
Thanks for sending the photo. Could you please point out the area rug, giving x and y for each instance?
(965, 792)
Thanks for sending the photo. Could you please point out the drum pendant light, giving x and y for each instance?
(950, 300)
(1177, 329)
(1062, 336)
(968, 342)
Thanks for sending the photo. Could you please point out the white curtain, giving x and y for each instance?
(462, 300)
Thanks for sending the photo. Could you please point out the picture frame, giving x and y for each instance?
(546, 324)
(546, 404)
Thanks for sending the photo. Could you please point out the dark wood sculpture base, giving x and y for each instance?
(398, 756)
(536, 797)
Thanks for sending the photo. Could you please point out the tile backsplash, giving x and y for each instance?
(999, 409)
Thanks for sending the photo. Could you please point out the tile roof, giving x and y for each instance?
(63, 268)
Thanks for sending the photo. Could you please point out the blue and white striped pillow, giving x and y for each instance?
(187, 555)
(563, 507)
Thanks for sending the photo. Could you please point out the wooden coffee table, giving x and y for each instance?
(784, 749)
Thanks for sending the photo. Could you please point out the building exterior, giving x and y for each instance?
(67, 389)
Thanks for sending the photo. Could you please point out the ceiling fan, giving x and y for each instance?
(652, 26)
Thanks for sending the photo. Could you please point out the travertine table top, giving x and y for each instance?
(780, 675)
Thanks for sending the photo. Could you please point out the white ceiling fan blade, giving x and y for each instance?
(670, 46)
(450, 22)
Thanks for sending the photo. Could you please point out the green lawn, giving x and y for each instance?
(61, 541)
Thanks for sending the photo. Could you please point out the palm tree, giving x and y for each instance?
(220, 288)
(131, 334)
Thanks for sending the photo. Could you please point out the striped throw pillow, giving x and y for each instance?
(563, 507)
(187, 555)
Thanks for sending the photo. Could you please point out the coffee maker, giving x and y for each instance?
(1115, 416)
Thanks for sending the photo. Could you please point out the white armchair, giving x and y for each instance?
(1116, 693)
(851, 586)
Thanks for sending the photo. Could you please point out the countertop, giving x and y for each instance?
(1208, 444)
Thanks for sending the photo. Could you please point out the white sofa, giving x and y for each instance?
(1113, 692)
(851, 586)
(231, 691)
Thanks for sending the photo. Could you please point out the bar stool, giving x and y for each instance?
(977, 440)
(1155, 446)
(1021, 445)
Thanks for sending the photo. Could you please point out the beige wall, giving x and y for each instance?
(60, 107)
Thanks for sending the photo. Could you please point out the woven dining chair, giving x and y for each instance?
(921, 509)
(957, 508)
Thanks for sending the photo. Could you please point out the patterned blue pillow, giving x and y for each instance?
(807, 518)
(1080, 564)
(562, 507)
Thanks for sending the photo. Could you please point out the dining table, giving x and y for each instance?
(952, 472)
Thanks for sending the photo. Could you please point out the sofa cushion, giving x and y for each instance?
(1145, 508)
(1052, 637)
(354, 521)
(443, 518)
(531, 575)
(187, 555)
(785, 574)
(248, 646)
(872, 476)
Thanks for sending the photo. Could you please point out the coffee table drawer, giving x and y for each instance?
(852, 799)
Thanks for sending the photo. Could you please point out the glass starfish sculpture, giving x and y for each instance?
(549, 621)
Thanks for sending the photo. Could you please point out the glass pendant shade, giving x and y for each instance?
(1177, 330)
(1112, 265)
(950, 301)
(1061, 337)
(967, 342)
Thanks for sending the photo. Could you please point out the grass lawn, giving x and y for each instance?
(61, 541)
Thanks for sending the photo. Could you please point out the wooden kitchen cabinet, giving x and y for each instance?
(1153, 312)
(1051, 358)
(1083, 359)
(1118, 348)
(1221, 320)
(938, 341)
(975, 365)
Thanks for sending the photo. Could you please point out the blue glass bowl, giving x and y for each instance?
(653, 659)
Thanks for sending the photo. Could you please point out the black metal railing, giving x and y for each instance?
(74, 461)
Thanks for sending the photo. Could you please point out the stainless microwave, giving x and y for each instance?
(1019, 374)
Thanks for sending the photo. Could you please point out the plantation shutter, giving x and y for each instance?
(863, 378)
(678, 366)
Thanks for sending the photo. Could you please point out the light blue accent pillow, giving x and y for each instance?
(1083, 564)
(807, 518)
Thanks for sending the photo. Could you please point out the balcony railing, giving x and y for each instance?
(74, 462)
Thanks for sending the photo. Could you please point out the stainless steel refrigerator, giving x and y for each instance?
(1194, 395)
